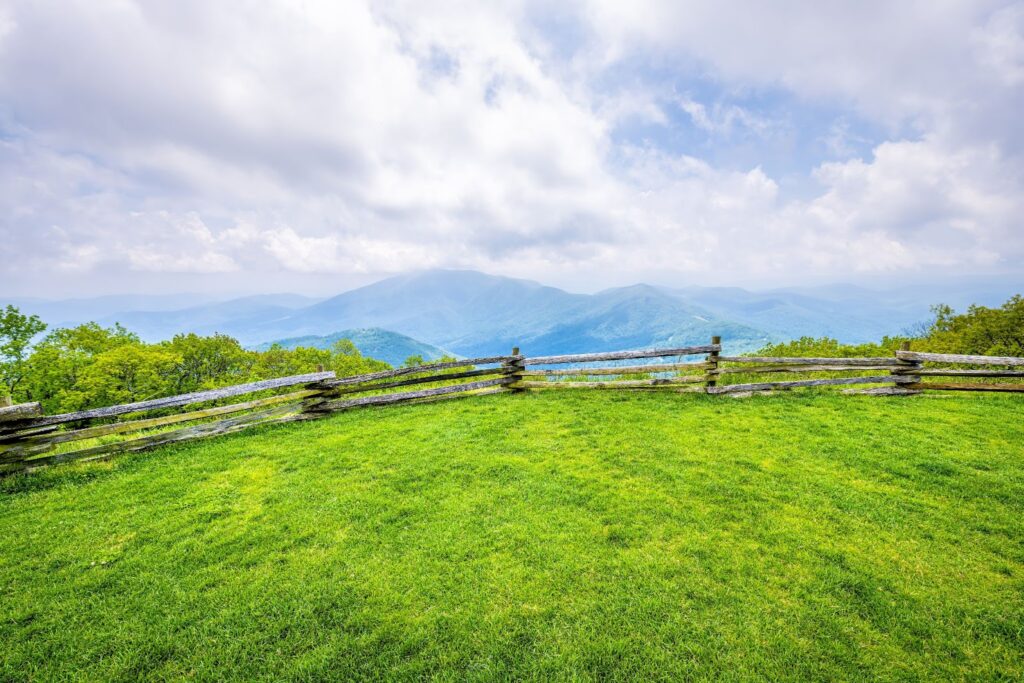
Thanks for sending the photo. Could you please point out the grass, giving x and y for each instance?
(558, 535)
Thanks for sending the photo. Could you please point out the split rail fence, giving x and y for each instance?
(29, 439)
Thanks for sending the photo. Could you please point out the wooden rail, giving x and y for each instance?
(956, 358)
(175, 401)
(619, 355)
(30, 439)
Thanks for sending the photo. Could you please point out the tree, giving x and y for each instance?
(413, 361)
(129, 373)
(208, 362)
(16, 333)
(981, 330)
(58, 362)
(346, 360)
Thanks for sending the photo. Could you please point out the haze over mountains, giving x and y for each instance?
(470, 313)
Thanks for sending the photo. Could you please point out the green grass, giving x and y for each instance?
(558, 535)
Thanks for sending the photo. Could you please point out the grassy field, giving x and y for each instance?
(562, 535)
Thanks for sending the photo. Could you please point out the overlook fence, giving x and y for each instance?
(29, 439)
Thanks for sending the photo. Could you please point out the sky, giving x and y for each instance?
(312, 146)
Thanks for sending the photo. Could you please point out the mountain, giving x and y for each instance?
(375, 342)
(789, 315)
(849, 313)
(231, 317)
(470, 313)
(473, 314)
(79, 310)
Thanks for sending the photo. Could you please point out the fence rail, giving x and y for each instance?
(29, 439)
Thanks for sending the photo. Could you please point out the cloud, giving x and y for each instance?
(377, 137)
(723, 120)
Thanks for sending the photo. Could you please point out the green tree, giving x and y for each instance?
(129, 373)
(207, 362)
(980, 330)
(346, 360)
(826, 347)
(16, 333)
(58, 361)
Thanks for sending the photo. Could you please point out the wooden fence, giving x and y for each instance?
(29, 439)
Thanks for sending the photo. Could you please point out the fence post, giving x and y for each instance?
(711, 375)
(899, 376)
(5, 401)
(514, 368)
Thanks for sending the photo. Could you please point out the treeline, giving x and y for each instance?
(980, 330)
(90, 366)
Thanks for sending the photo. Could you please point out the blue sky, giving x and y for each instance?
(269, 146)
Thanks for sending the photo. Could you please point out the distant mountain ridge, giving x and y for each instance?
(470, 313)
(385, 345)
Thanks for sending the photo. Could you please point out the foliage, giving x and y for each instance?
(208, 362)
(129, 373)
(981, 330)
(16, 333)
(568, 536)
(825, 347)
(90, 366)
(59, 362)
(413, 361)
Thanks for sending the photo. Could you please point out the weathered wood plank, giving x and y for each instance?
(624, 384)
(31, 444)
(790, 360)
(729, 388)
(618, 370)
(332, 406)
(23, 452)
(178, 435)
(935, 386)
(419, 369)
(956, 372)
(180, 400)
(618, 355)
(800, 368)
(711, 376)
(515, 368)
(361, 388)
(20, 411)
(313, 414)
(959, 358)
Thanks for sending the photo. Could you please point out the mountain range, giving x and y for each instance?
(470, 313)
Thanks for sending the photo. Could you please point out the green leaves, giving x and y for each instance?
(16, 333)
(90, 366)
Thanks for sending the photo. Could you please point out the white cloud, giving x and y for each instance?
(368, 138)
(1000, 44)
(722, 119)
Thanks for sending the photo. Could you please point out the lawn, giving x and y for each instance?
(559, 535)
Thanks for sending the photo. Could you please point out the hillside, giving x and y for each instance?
(374, 342)
(539, 537)
(472, 314)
